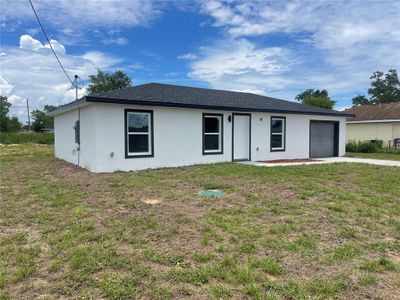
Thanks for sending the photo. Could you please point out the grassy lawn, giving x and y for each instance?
(301, 232)
(25, 137)
(376, 155)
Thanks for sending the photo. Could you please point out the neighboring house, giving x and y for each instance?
(159, 125)
(374, 122)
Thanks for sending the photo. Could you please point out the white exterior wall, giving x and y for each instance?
(297, 136)
(64, 137)
(385, 131)
(177, 137)
(64, 144)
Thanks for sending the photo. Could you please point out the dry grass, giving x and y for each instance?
(320, 231)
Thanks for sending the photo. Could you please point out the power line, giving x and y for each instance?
(48, 41)
(21, 106)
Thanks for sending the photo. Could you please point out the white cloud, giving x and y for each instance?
(240, 65)
(29, 43)
(42, 100)
(17, 100)
(331, 25)
(120, 41)
(134, 67)
(336, 44)
(6, 87)
(173, 74)
(100, 60)
(351, 20)
(187, 56)
(75, 18)
(238, 58)
(58, 48)
(31, 71)
(341, 108)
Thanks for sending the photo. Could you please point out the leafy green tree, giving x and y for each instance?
(105, 81)
(4, 109)
(360, 100)
(319, 98)
(14, 124)
(6, 123)
(41, 120)
(384, 87)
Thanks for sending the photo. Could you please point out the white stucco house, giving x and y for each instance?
(158, 125)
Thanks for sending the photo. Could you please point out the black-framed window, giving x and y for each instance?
(139, 141)
(213, 133)
(278, 133)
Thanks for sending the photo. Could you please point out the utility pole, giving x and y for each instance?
(29, 117)
(76, 86)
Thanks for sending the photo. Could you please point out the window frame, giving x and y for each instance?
(283, 134)
(150, 153)
(220, 134)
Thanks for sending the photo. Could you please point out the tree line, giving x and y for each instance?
(384, 88)
(99, 83)
(40, 121)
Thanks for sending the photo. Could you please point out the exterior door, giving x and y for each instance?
(241, 137)
(323, 139)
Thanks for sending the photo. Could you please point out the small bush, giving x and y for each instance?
(378, 143)
(364, 146)
(25, 137)
(367, 147)
(351, 146)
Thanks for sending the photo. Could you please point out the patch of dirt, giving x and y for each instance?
(152, 201)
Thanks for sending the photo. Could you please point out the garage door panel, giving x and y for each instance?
(322, 139)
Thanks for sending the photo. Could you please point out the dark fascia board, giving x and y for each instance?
(68, 106)
(198, 106)
(90, 99)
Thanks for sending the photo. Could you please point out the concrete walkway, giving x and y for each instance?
(328, 160)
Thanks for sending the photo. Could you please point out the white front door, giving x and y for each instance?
(241, 137)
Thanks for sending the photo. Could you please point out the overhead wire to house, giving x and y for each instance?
(48, 41)
(22, 106)
(74, 83)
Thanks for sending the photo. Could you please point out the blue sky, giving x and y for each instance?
(276, 48)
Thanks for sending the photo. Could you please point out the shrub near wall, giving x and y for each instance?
(24, 138)
(364, 146)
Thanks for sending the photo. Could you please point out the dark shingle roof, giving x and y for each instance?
(191, 97)
(384, 111)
